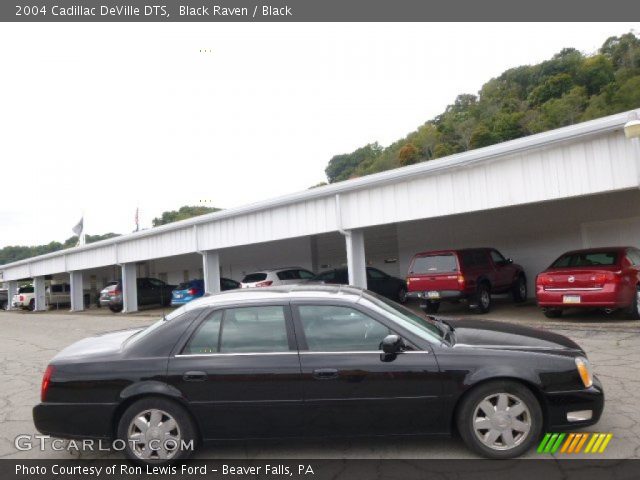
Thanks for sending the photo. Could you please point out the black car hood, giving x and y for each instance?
(106, 344)
(499, 335)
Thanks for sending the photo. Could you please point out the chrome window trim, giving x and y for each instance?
(301, 352)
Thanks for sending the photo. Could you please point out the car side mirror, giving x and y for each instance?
(391, 346)
(509, 261)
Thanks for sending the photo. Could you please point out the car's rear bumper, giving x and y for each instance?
(72, 420)
(562, 406)
(443, 295)
(588, 299)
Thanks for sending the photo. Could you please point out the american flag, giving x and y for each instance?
(137, 220)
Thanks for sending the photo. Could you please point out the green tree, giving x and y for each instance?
(181, 214)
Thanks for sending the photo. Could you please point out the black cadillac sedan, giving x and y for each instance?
(315, 361)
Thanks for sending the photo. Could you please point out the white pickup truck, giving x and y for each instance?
(56, 295)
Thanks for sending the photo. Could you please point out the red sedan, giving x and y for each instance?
(606, 278)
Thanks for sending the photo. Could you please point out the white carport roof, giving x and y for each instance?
(582, 159)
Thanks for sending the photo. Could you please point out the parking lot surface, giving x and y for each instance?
(30, 340)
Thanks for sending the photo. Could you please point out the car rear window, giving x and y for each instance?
(435, 264)
(183, 286)
(586, 259)
(254, 277)
(25, 290)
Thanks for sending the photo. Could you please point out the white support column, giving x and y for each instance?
(12, 289)
(211, 271)
(129, 288)
(356, 261)
(40, 294)
(77, 291)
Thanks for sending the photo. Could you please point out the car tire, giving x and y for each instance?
(32, 305)
(552, 312)
(116, 308)
(483, 298)
(431, 307)
(152, 418)
(402, 295)
(513, 425)
(519, 289)
(634, 309)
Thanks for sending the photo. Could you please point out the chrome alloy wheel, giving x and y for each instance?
(501, 421)
(154, 434)
(485, 298)
(523, 288)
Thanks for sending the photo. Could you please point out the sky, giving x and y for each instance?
(98, 120)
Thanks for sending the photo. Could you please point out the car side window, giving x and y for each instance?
(156, 283)
(633, 256)
(305, 274)
(287, 275)
(328, 276)
(375, 274)
(481, 258)
(205, 340)
(497, 257)
(254, 329)
(329, 328)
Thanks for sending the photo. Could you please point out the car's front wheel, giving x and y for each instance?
(500, 419)
(634, 309)
(157, 431)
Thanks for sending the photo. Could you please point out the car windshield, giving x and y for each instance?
(586, 259)
(423, 327)
(435, 264)
(254, 277)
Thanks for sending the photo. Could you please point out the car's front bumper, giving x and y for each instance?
(72, 420)
(561, 406)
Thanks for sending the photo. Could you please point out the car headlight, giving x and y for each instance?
(584, 369)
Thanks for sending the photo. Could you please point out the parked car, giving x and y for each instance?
(56, 294)
(470, 274)
(105, 294)
(377, 281)
(274, 277)
(316, 360)
(4, 298)
(187, 291)
(151, 291)
(605, 278)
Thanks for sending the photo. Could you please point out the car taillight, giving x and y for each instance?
(461, 281)
(264, 284)
(545, 280)
(115, 293)
(408, 282)
(599, 278)
(192, 291)
(22, 298)
(46, 381)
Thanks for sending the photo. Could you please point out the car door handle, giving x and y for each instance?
(194, 376)
(325, 373)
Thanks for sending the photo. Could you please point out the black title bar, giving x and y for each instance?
(317, 10)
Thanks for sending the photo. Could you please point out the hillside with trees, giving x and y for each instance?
(569, 88)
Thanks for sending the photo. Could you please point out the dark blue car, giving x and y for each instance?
(187, 291)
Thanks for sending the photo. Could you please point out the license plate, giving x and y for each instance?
(178, 296)
(433, 294)
(571, 299)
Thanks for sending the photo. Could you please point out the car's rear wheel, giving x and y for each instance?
(32, 304)
(155, 431)
(431, 307)
(519, 290)
(402, 295)
(552, 312)
(483, 298)
(116, 308)
(500, 419)
(634, 309)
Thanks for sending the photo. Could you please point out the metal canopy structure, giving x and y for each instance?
(580, 160)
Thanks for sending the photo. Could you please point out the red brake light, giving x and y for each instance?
(192, 291)
(115, 293)
(22, 298)
(461, 281)
(545, 280)
(46, 381)
(264, 284)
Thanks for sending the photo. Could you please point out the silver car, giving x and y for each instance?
(279, 276)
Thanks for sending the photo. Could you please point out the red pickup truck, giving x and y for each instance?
(470, 274)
